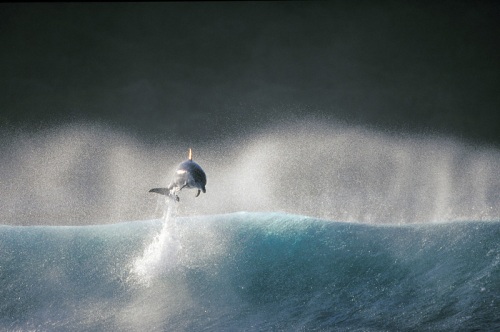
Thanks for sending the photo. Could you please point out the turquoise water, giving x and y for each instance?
(250, 272)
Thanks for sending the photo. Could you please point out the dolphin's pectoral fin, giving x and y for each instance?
(198, 193)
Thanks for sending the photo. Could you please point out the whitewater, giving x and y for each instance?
(343, 229)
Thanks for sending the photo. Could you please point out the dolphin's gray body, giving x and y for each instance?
(188, 175)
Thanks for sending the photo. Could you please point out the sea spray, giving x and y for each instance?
(162, 254)
(82, 174)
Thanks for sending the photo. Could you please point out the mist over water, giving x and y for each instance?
(103, 101)
(88, 174)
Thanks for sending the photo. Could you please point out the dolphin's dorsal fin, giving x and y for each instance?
(190, 156)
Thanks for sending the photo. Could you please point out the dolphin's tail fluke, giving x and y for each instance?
(166, 192)
(161, 191)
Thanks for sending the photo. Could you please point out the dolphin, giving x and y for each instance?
(187, 175)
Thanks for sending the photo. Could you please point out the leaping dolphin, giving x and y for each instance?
(188, 175)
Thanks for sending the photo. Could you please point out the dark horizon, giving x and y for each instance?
(203, 71)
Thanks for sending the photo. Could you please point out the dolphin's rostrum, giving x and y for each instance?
(188, 175)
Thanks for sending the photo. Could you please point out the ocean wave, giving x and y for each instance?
(250, 271)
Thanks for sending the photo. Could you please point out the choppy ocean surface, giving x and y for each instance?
(250, 272)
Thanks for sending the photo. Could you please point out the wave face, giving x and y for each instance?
(250, 272)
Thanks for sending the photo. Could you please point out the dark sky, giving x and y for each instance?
(207, 70)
